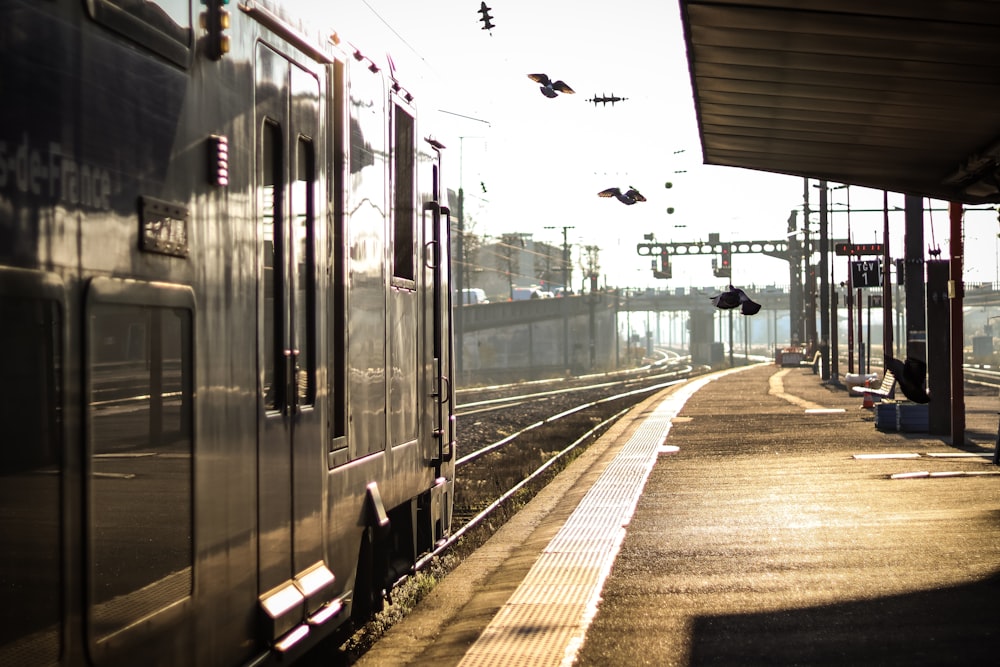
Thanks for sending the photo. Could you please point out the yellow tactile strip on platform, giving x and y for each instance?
(545, 620)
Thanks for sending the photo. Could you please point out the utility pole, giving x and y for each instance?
(593, 269)
(565, 257)
(458, 314)
(565, 273)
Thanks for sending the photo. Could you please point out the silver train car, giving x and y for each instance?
(227, 422)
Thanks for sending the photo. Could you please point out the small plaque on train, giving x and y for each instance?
(164, 227)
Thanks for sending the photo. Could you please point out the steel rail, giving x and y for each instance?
(489, 448)
(489, 509)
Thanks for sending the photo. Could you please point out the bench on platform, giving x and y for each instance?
(812, 363)
(885, 390)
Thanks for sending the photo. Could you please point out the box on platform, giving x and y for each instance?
(901, 417)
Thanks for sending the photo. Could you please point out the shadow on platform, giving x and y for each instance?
(959, 625)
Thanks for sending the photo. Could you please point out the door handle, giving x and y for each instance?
(445, 396)
(431, 259)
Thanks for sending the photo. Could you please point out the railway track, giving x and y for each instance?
(516, 437)
(984, 377)
(513, 439)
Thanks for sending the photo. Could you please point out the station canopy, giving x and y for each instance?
(899, 95)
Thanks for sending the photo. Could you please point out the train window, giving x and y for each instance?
(139, 395)
(404, 154)
(30, 467)
(164, 26)
(273, 267)
(304, 240)
(337, 311)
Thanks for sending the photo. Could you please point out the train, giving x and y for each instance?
(225, 315)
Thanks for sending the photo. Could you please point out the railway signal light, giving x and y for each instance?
(724, 268)
(858, 249)
(665, 270)
(215, 22)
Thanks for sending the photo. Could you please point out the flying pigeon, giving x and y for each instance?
(549, 88)
(735, 297)
(629, 198)
(910, 376)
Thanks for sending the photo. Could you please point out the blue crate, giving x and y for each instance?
(902, 417)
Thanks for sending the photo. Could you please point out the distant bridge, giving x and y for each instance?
(582, 332)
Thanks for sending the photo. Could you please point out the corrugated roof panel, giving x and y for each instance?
(892, 95)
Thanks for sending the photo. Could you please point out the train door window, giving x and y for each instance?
(303, 203)
(336, 250)
(404, 154)
(164, 26)
(30, 468)
(139, 396)
(273, 268)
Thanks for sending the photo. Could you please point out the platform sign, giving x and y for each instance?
(866, 273)
(858, 249)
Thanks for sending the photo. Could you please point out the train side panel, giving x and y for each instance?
(227, 431)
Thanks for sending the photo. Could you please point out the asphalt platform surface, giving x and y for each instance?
(780, 533)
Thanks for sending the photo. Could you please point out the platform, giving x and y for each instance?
(785, 529)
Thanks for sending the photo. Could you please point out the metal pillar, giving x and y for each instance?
(457, 313)
(956, 288)
(824, 282)
(886, 283)
(913, 278)
(796, 324)
(938, 346)
(809, 289)
(862, 366)
(730, 337)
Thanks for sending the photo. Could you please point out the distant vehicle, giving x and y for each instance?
(473, 296)
(561, 291)
(547, 295)
(525, 293)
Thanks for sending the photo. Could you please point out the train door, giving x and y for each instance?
(437, 329)
(291, 451)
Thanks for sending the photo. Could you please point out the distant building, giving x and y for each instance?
(514, 260)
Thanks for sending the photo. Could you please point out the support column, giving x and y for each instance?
(886, 284)
(824, 286)
(938, 346)
(796, 323)
(809, 289)
(913, 278)
(956, 289)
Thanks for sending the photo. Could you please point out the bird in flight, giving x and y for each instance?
(734, 297)
(550, 88)
(629, 197)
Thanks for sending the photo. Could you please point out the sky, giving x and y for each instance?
(527, 162)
